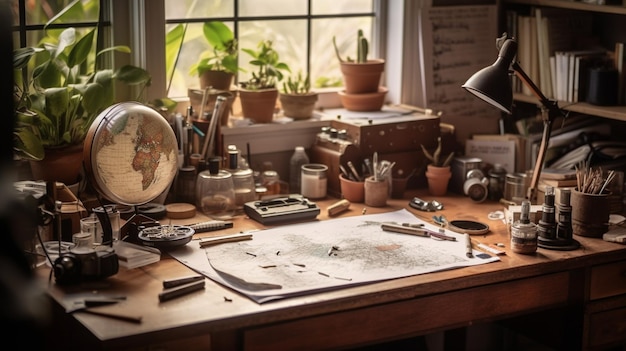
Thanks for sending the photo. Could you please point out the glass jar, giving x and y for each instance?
(215, 192)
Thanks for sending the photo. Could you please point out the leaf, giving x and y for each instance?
(66, 39)
(80, 51)
(133, 75)
(57, 100)
(217, 34)
(22, 56)
(27, 145)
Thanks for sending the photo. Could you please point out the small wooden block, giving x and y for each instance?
(180, 210)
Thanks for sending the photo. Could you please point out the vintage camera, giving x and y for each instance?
(475, 185)
(82, 264)
(460, 167)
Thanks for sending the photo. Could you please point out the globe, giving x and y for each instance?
(131, 154)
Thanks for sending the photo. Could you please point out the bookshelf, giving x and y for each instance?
(608, 26)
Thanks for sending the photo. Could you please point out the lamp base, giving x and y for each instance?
(557, 244)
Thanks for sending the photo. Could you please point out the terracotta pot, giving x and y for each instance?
(361, 78)
(438, 178)
(351, 190)
(219, 80)
(258, 105)
(365, 101)
(298, 106)
(61, 165)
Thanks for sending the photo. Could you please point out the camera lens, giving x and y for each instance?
(476, 190)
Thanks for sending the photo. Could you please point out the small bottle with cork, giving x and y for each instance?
(524, 232)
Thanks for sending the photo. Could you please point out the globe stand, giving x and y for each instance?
(130, 230)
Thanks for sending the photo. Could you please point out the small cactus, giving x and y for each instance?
(435, 156)
(362, 49)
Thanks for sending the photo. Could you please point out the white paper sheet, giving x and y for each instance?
(314, 256)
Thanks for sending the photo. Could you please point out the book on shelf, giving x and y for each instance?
(558, 30)
(133, 256)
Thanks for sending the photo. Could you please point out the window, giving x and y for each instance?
(30, 18)
(301, 31)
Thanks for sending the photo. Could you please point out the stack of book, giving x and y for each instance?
(133, 256)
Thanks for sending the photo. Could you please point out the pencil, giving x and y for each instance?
(468, 246)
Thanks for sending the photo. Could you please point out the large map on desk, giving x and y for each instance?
(310, 257)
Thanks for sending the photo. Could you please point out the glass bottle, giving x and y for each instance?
(497, 178)
(273, 184)
(243, 178)
(298, 159)
(215, 191)
(524, 232)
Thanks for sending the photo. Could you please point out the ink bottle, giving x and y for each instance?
(243, 178)
(524, 232)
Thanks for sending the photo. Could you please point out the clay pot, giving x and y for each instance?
(438, 178)
(364, 101)
(351, 190)
(298, 106)
(218, 80)
(361, 78)
(258, 105)
(60, 165)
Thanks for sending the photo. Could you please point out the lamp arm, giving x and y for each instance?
(550, 110)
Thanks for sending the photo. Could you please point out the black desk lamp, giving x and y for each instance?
(493, 85)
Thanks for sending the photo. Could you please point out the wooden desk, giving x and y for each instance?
(586, 286)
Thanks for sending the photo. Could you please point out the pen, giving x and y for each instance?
(354, 172)
(170, 283)
(404, 229)
(209, 226)
(225, 239)
(172, 293)
(442, 236)
(468, 246)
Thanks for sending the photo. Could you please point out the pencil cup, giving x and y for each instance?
(376, 192)
(351, 190)
(590, 214)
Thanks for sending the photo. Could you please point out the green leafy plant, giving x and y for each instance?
(57, 101)
(435, 157)
(223, 53)
(362, 51)
(269, 67)
(298, 84)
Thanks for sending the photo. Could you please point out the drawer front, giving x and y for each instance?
(411, 317)
(607, 327)
(608, 280)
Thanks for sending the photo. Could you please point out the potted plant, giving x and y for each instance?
(296, 99)
(259, 94)
(438, 170)
(361, 78)
(56, 103)
(218, 65)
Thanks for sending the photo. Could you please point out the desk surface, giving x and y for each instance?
(402, 307)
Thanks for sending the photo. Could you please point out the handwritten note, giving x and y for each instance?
(457, 41)
(493, 151)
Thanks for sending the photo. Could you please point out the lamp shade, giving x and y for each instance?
(492, 84)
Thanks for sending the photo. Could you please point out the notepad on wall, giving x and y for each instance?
(492, 152)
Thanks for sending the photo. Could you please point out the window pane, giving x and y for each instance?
(177, 9)
(324, 62)
(272, 7)
(288, 38)
(333, 7)
(40, 11)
